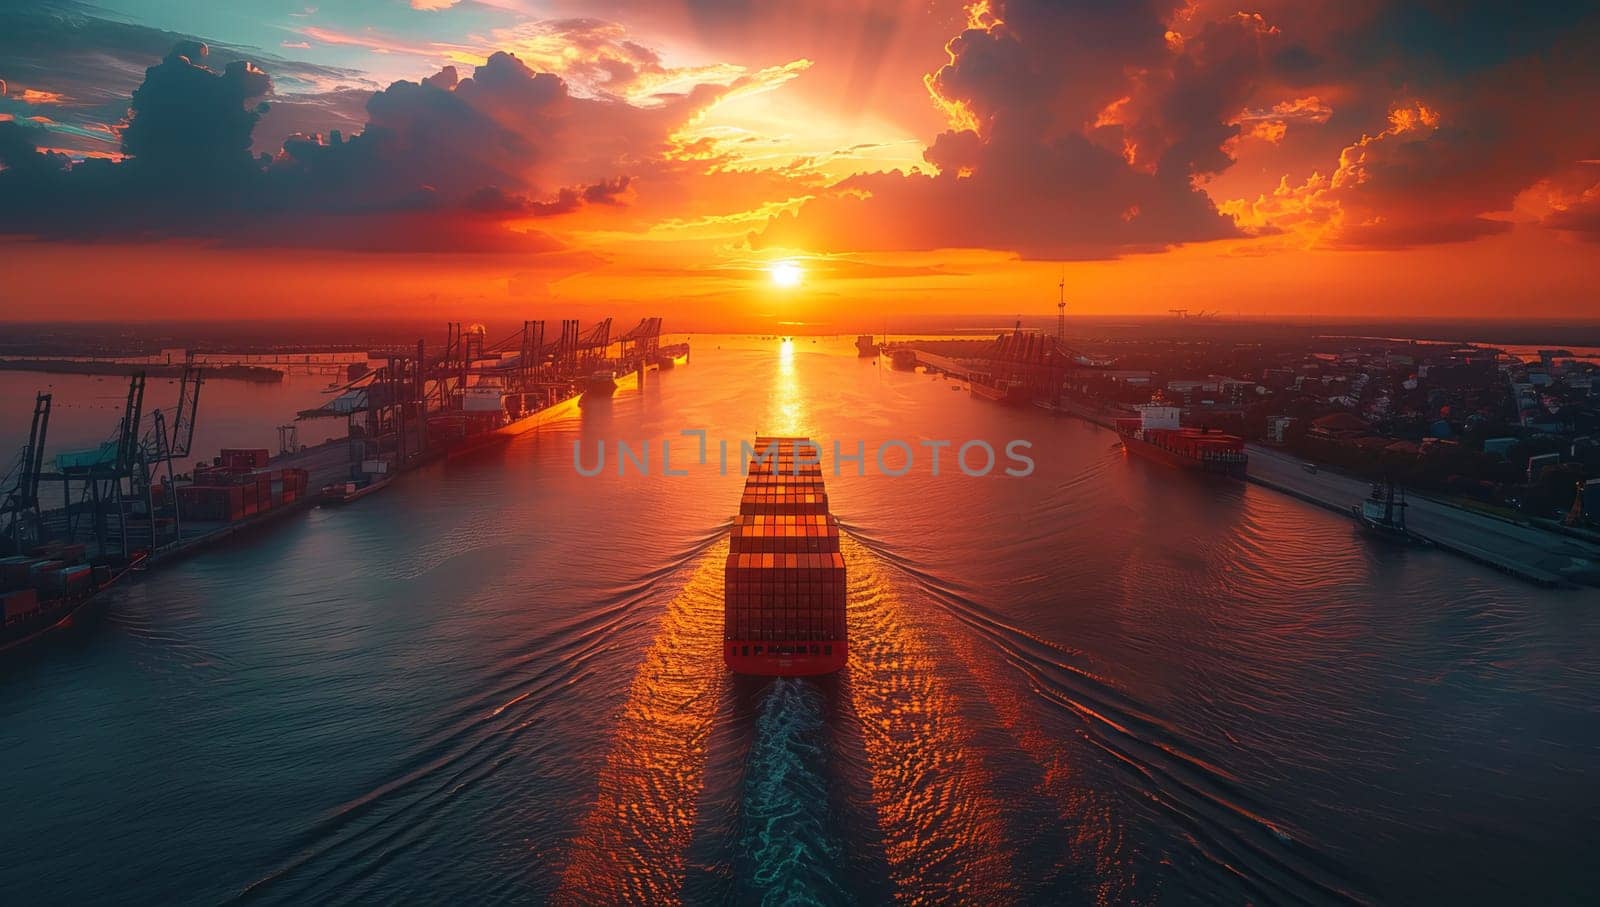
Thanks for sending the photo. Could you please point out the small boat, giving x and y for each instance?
(347, 492)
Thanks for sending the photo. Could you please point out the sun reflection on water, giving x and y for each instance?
(788, 413)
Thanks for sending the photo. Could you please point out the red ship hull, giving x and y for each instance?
(1232, 468)
(783, 659)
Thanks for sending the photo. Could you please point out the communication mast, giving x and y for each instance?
(1061, 313)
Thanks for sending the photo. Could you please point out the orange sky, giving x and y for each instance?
(910, 159)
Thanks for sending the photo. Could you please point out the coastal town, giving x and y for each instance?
(1512, 429)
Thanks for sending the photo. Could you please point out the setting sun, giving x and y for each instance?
(786, 274)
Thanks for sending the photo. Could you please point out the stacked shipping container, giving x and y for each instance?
(224, 494)
(784, 580)
(47, 573)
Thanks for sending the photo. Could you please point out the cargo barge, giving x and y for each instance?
(51, 589)
(1156, 433)
(784, 592)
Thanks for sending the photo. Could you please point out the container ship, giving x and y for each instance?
(50, 589)
(784, 593)
(672, 356)
(489, 414)
(1156, 433)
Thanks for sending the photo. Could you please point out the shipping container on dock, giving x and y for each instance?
(211, 503)
(785, 587)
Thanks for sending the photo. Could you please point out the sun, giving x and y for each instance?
(786, 274)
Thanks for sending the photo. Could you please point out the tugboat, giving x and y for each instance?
(866, 346)
(1383, 514)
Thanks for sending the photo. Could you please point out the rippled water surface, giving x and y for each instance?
(1107, 682)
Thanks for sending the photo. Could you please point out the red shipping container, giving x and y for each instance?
(18, 603)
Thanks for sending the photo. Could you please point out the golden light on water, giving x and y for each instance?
(788, 414)
(938, 807)
(631, 847)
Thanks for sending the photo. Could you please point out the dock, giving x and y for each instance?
(952, 367)
(140, 497)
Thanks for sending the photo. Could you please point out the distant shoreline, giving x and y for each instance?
(252, 373)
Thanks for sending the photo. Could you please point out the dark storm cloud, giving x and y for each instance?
(1451, 112)
(19, 153)
(440, 165)
(1580, 216)
(92, 64)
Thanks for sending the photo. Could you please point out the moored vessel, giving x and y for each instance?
(1008, 393)
(784, 580)
(866, 346)
(488, 416)
(600, 383)
(51, 590)
(1383, 514)
(1157, 434)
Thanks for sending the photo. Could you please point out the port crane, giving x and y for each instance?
(106, 489)
(20, 506)
(161, 447)
(641, 343)
(1576, 516)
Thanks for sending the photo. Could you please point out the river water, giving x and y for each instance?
(1107, 681)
